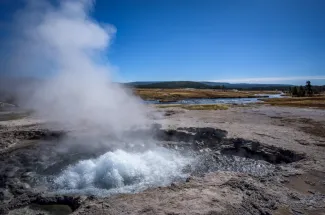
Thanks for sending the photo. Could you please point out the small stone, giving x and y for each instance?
(19, 191)
(248, 193)
(310, 183)
(310, 191)
(92, 197)
(297, 166)
(294, 196)
(5, 195)
(215, 200)
(284, 181)
(24, 186)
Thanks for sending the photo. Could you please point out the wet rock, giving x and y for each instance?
(282, 180)
(310, 182)
(240, 184)
(73, 202)
(262, 180)
(248, 192)
(188, 179)
(310, 191)
(5, 195)
(27, 174)
(33, 134)
(256, 150)
(169, 113)
(294, 196)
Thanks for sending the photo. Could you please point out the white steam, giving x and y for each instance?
(65, 42)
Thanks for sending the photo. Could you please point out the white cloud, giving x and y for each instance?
(271, 79)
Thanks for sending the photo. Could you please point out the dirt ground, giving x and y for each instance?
(293, 128)
(295, 187)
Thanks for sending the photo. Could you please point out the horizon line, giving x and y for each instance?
(268, 79)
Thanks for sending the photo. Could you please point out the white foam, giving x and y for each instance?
(122, 172)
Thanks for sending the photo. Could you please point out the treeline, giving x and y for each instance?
(177, 85)
(204, 85)
(293, 90)
(264, 88)
(307, 90)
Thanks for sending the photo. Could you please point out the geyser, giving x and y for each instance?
(52, 166)
(123, 172)
(66, 45)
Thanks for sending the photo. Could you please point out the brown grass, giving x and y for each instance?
(313, 102)
(179, 94)
(206, 107)
(12, 116)
(197, 107)
(168, 106)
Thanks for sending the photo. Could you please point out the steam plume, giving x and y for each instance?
(64, 42)
(67, 44)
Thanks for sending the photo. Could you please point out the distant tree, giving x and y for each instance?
(216, 87)
(294, 91)
(308, 87)
(301, 91)
(317, 89)
(223, 87)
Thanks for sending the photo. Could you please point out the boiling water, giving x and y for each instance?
(123, 172)
(93, 172)
(128, 172)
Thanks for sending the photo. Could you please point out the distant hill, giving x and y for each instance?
(172, 85)
(139, 83)
(244, 85)
(214, 83)
(207, 85)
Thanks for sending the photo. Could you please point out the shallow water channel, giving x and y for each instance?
(219, 100)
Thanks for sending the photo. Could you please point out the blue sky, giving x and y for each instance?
(265, 41)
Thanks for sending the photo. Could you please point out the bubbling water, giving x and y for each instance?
(123, 172)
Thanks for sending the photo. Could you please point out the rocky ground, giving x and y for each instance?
(290, 140)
